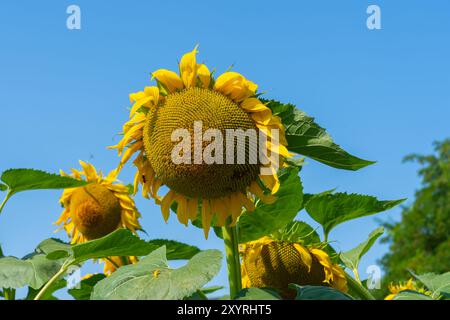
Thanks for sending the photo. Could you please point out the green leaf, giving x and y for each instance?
(332, 209)
(352, 257)
(318, 293)
(151, 278)
(86, 286)
(19, 180)
(411, 295)
(298, 231)
(438, 284)
(121, 242)
(3, 187)
(268, 218)
(257, 294)
(34, 271)
(176, 250)
(306, 137)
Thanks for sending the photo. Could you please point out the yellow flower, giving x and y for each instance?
(410, 285)
(179, 101)
(97, 209)
(275, 264)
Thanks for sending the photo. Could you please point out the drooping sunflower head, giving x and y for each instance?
(98, 208)
(276, 264)
(394, 289)
(203, 139)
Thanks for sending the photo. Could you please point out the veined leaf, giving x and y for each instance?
(152, 279)
(306, 137)
(411, 295)
(268, 218)
(29, 179)
(86, 286)
(352, 257)
(318, 293)
(258, 294)
(55, 286)
(332, 209)
(439, 284)
(34, 271)
(17, 180)
(176, 250)
(121, 242)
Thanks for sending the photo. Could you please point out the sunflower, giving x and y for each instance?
(401, 286)
(271, 263)
(97, 209)
(181, 100)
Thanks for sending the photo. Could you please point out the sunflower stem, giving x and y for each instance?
(8, 195)
(358, 288)
(51, 281)
(230, 239)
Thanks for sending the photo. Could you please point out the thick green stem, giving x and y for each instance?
(234, 266)
(8, 195)
(44, 289)
(357, 288)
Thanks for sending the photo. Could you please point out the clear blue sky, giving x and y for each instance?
(63, 94)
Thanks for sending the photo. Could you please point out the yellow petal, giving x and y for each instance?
(263, 116)
(271, 181)
(204, 75)
(257, 191)
(169, 79)
(166, 203)
(206, 216)
(188, 68)
(235, 86)
(253, 105)
(192, 208)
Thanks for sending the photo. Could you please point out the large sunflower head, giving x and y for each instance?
(97, 209)
(222, 125)
(276, 264)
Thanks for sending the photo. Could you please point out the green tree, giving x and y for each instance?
(420, 242)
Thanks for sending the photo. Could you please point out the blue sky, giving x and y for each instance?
(381, 94)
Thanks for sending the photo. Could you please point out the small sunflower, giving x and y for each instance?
(179, 101)
(409, 285)
(97, 209)
(275, 264)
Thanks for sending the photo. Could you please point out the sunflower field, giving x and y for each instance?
(253, 206)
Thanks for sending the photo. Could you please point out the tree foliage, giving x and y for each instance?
(420, 242)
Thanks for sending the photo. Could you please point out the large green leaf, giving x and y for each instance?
(34, 271)
(439, 284)
(306, 137)
(86, 286)
(30, 179)
(258, 294)
(318, 293)
(17, 180)
(151, 278)
(352, 257)
(175, 250)
(121, 242)
(268, 218)
(332, 209)
(411, 295)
